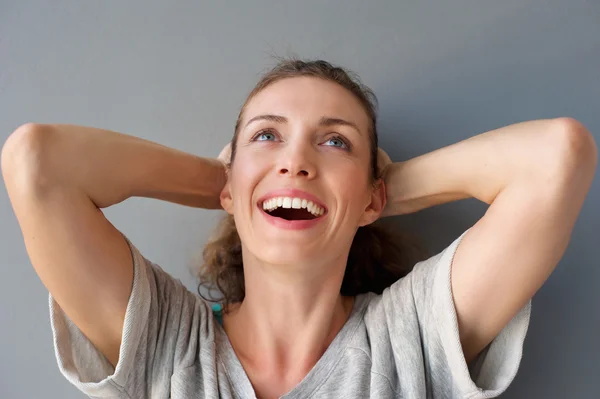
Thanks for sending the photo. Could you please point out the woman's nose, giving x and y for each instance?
(297, 163)
(300, 172)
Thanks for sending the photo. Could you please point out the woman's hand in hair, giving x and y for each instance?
(225, 155)
(383, 161)
(383, 169)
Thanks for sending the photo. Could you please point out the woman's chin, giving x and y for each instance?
(287, 255)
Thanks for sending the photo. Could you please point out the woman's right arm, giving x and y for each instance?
(58, 177)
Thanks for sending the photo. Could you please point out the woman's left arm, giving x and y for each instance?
(535, 176)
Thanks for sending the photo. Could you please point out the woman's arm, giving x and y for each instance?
(483, 165)
(535, 176)
(57, 178)
(110, 167)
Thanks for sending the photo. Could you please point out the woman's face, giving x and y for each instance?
(299, 186)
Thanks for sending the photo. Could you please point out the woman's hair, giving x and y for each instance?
(378, 257)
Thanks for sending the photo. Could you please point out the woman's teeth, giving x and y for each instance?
(290, 202)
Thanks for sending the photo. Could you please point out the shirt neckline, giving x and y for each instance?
(315, 377)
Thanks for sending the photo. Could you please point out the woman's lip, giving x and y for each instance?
(290, 224)
(293, 193)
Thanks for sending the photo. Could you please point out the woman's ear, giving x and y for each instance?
(378, 201)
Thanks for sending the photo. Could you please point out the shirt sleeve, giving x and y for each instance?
(450, 376)
(156, 332)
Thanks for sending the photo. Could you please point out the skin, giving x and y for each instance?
(534, 176)
(293, 309)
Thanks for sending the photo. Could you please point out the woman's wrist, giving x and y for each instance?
(195, 182)
(417, 184)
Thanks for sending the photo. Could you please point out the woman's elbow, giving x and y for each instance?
(575, 146)
(23, 154)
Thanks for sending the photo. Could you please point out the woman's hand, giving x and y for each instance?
(225, 155)
(383, 163)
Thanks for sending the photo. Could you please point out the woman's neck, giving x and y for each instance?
(277, 359)
(283, 326)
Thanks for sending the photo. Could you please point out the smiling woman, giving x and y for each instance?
(377, 256)
(317, 302)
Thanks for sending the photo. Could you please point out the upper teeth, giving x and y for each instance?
(292, 202)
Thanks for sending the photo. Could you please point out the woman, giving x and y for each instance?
(301, 181)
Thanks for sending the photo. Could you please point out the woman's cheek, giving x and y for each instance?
(346, 170)
(340, 178)
(248, 165)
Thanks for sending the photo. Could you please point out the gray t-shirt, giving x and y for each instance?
(403, 343)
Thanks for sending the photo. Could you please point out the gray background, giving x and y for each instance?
(177, 73)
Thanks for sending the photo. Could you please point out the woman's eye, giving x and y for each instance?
(264, 136)
(337, 142)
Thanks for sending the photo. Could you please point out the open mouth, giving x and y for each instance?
(289, 208)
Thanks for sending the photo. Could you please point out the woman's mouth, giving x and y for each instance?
(292, 208)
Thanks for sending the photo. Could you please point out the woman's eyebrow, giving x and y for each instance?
(324, 121)
(329, 121)
(272, 118)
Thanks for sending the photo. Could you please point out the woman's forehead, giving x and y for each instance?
(307, 97)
